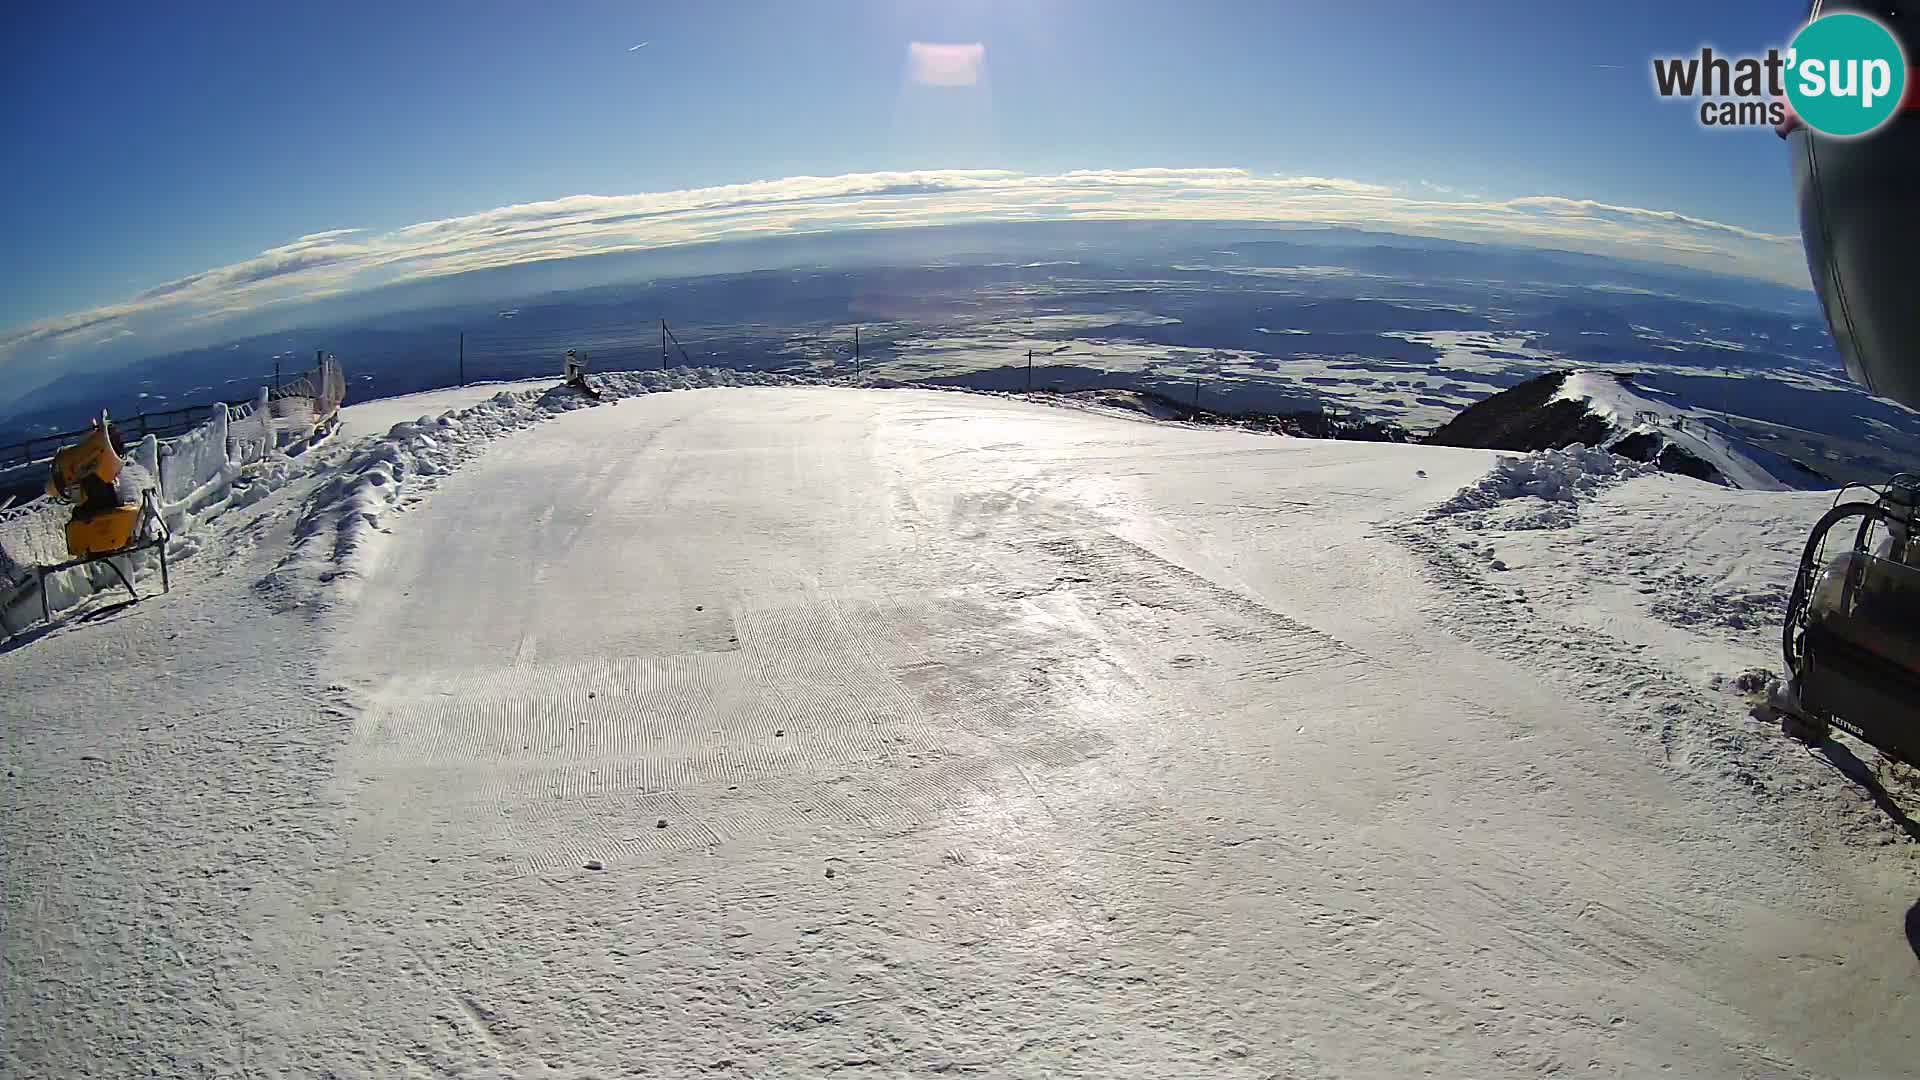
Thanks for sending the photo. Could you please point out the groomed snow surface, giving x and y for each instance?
(799, 730)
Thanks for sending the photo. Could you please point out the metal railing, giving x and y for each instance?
(163, 424)
(325, 384)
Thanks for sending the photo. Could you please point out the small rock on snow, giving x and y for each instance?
(595, 864)
(661, 824)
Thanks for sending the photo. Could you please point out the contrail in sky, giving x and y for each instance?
(642, 45)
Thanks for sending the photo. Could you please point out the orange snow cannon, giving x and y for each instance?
(86, 474)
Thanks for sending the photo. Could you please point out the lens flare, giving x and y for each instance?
(945, 64)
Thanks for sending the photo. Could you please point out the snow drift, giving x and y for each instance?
(1551, 482)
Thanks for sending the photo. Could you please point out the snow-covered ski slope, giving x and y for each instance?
(801, 731)
(1693, 430)
(361, 419)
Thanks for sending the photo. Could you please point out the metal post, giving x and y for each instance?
(1029, 371)
(1196, 395)
(463, 358)
(276, 374)
(663, 344)
(856, 352)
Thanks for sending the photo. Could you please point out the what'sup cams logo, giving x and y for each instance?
(1844, 74)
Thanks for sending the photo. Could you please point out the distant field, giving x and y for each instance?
(1409, 336)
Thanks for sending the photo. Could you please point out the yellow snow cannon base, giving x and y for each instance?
(107, 531)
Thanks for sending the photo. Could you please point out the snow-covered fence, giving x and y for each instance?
(297, 411)
(32, 534)
(291, 417)
(249, 429)
(192, 475)
(196, 473)
(193, 460)
(198, 470)
(315, 395)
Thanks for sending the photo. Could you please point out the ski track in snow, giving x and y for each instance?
(1523, 598)
(803, 731)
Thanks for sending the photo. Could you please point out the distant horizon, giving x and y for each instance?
(1272, 318)
(1154, 295)
(274, 289)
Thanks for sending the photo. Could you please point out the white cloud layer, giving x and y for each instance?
(344, 261)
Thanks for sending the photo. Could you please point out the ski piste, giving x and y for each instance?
(1149, 711)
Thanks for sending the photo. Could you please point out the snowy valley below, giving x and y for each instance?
(784, 730)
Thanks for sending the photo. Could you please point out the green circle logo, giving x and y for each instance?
(1846, 74)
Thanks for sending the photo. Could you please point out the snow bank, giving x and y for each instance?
(336, 535)
(1552, 482)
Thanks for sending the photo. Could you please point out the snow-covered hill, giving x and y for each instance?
(1608, 410)
(781, 731)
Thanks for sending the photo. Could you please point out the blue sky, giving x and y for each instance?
(152, 142)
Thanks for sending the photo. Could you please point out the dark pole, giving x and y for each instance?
(463, 358)
(276, 374)
(1196, 395)
(856, 352)
(663, 344)
(1029, 371)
